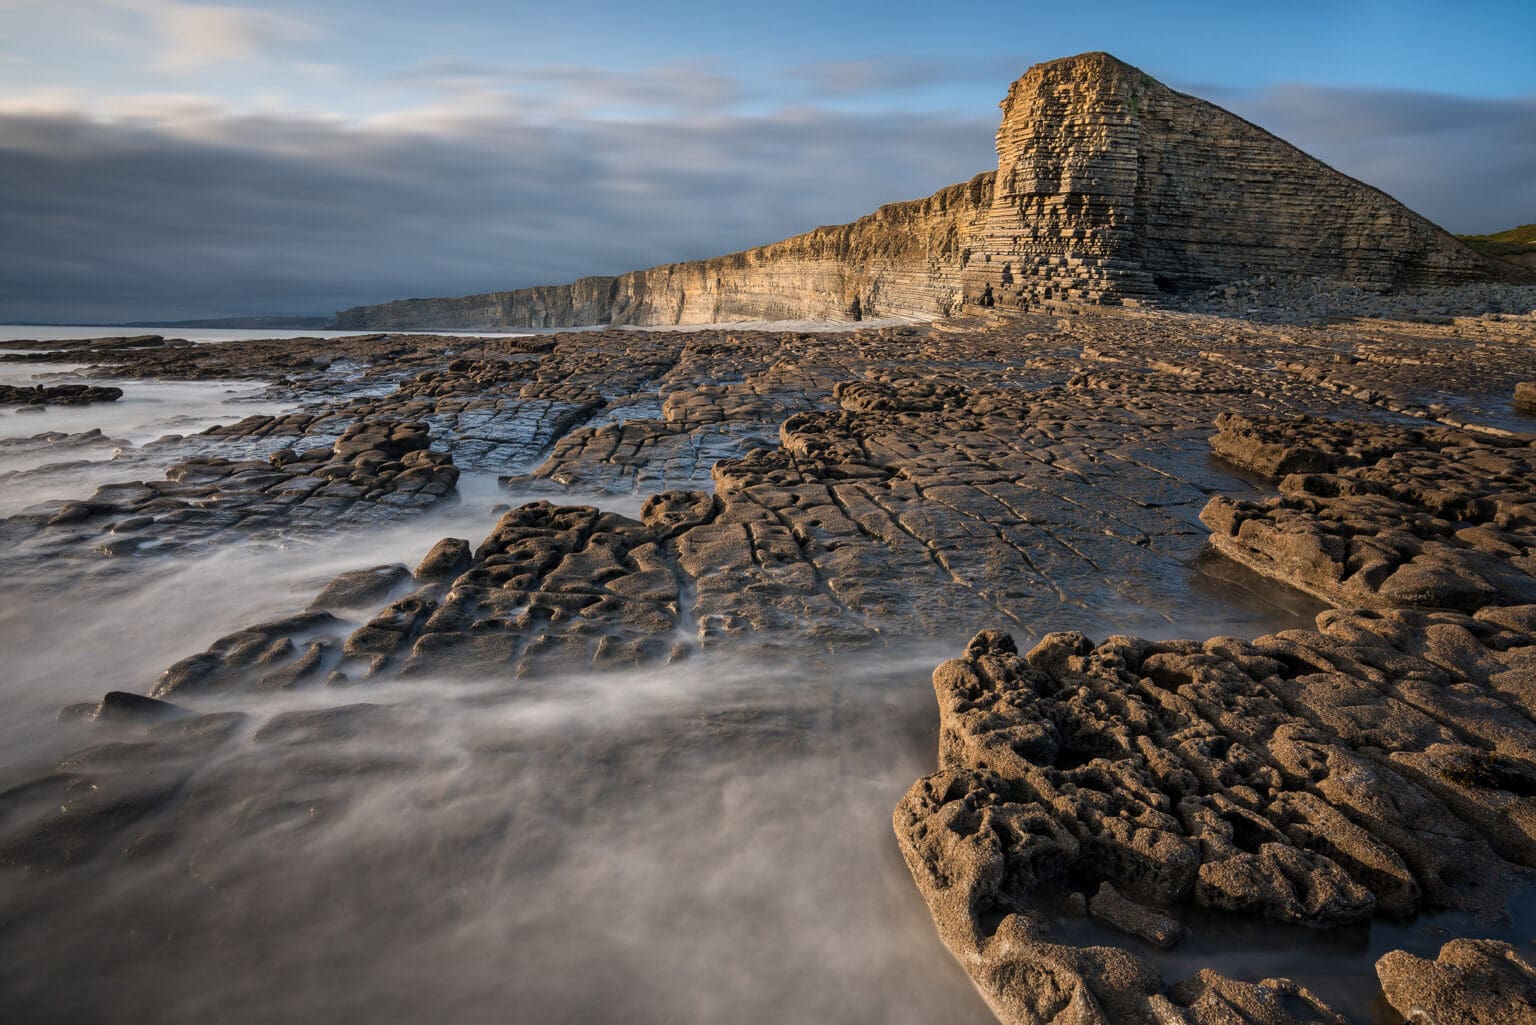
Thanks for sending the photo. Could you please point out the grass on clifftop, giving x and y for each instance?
(1515, 240)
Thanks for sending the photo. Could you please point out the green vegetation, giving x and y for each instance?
(1504, 243)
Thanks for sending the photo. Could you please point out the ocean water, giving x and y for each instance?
(51, 455)
(54, 332)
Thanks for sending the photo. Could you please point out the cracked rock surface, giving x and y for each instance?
(1341, 516)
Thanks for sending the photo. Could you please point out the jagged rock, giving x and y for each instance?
(1472, 982)
(793, 492)
(57, 395)
(447, 559)
(1525, 396)
(1383, 517)
(1225, 773)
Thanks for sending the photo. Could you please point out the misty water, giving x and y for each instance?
(66, 452)
(65, 332)
(704, 842)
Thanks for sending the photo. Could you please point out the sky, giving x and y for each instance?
(169, 159)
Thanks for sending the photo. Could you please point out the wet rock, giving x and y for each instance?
(327, 724)
(121, 706)
(70, 512)
(361, 587)
(1149, 924)
(803, 492)
(446, 560)
(1389, 516)
(1220, 773)
(274, 654)
(88, 819)
(58, 395)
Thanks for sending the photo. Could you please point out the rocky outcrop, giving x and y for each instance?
(375, 471)
(1110, 187)
(586, 301)
(1376, 516)
(1525, 396)
(785, 492)
(1472, 982)
(1315, 777)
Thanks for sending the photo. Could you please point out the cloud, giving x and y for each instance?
(193, 37)
(559, 91)
(169, 210)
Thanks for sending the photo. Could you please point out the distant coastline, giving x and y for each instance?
(244, 323)
(229, 323)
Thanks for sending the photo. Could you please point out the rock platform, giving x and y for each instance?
(1339, 517)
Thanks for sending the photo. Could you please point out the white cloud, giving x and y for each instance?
(195, 36)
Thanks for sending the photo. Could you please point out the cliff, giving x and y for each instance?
(903, 260)
(1110, 188)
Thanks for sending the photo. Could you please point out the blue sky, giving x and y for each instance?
(180, 158)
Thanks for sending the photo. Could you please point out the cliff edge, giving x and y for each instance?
(1110, 188)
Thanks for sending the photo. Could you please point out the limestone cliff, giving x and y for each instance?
(1110, 188)
(585, 301)
(903, 260)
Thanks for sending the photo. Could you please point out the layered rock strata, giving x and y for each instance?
(904, 260)
(1376, 516)
(376, 470)
(1303, 776)
(1110, 187)
(888, 484)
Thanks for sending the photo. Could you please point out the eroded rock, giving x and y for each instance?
(1472, 982)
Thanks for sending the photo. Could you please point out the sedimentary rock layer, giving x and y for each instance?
(904, 260)
(57, 395)
(1109, 187)
(1379, 516)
